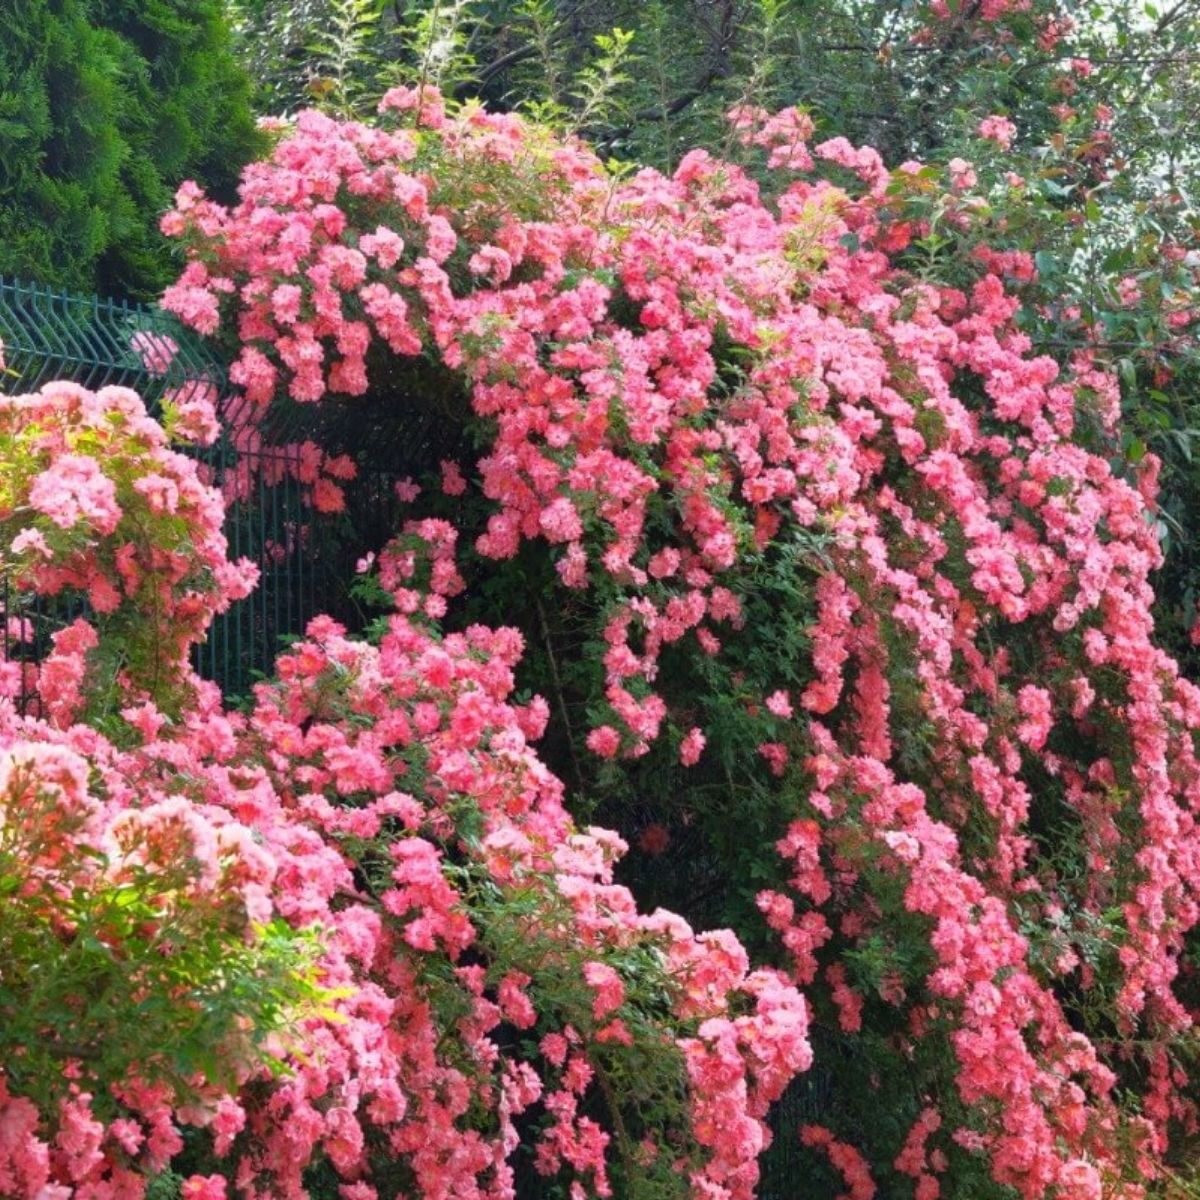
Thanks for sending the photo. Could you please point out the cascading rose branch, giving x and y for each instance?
(994, 767)
(355, 930)
(630, 1029)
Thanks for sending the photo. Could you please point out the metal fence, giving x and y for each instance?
(56, 335)
(305, 558)
(48, 335)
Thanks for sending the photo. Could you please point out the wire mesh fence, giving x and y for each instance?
(261, 463)
(96, 343)
(306, 560)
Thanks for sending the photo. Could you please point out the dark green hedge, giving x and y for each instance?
(105, 107)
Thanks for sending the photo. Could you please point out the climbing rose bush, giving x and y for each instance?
(838, 541)
(352, 935)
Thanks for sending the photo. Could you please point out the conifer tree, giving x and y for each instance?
(105, 106)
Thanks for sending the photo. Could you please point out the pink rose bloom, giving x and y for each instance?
(604, 741)
(998, 129)
(962, 175)
(691, 747)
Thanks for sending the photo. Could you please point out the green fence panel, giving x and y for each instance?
(49, 335)
(305, 559)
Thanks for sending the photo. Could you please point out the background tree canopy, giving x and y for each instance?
(105, 107)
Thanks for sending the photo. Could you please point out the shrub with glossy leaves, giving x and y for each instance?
(140, 960)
